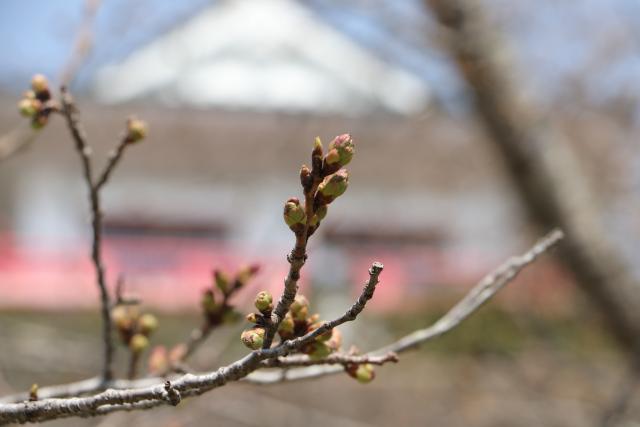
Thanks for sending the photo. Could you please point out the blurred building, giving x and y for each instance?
(234, 97)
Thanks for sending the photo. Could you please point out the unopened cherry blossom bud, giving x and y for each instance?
(363, 373)
(334, 185)
(138, 343)
(208, 302)
(318, 350)
(286, 327)
(147, 323)
(343, 144)
(253, 338)
(264, 302)
(305, 177)
(294, 213)
(299, 308)
(222, 280)
(136, 130)
(29, 107)
(40, 85)
(323, 337)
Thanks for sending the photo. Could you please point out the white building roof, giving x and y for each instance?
(261, 55)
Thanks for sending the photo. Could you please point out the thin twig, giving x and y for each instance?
(70, 112)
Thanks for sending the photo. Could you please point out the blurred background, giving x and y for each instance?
(234, 91)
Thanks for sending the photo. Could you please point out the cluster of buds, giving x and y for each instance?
(37, 103)
(325, 181)
(253, 338)
(134, 329)
(215, 299)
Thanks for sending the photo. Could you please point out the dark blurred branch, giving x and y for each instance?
(541, 166)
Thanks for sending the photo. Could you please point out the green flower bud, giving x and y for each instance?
(264, 302)
(343, 144)
(299, 308)
(124, 317)
(364, 373)
(138, 343)
(253, 338)
(208, 302)
(39, 121)
(318, 350)
(305, 177)
(29, 107)
(222, 280)
(334, 185)
(147, 323)
(286, 327)
(136, 130)
(321, 212)
(293, 212)
(332, 157)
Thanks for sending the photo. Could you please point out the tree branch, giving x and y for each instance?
(470, 303)
(70, 112)
(188, 385)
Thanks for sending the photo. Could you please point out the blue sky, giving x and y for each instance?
(553, 40)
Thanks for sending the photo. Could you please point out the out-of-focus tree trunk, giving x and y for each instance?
(542, 167)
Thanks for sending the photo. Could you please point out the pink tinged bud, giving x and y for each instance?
(147, 323)
(264, 302)
(222, 280)
(253, 338)
(343, 144)
(334, 185)
(138, 343)
(294, 212)
(332, 157)
(363, 373)
(39, 84)
(336, 340)
(136, 130)
(178, 353)
(158, 362)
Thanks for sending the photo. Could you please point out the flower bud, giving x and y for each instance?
(343, 144)
(222, 280)
(264, 302)
(138, 343)
(321, 212)
(136, 130)
(286, 328)
(364, 373)
(293, 212)
(336, 340)
(177, 353)
(39, 121)
(305, 177)
(158, 362)
(317, 147)
(29, 107)
(318, 350)
(246, 273)
(208, 302)
(253, 338)
(33, 392)
(299, 308)
(147, 323)
(253, 317)
(123, 317)
(39, 84)
(334, 185)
